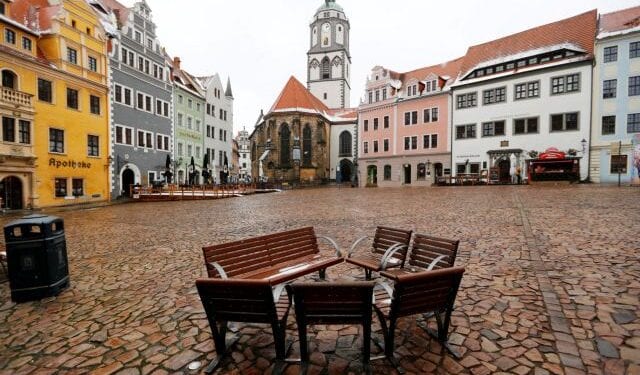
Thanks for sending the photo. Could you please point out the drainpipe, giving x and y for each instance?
(451, 130)
(588, 150)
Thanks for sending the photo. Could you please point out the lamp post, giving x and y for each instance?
(296, 159)
(584, 144)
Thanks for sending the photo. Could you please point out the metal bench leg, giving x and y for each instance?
(220, 356)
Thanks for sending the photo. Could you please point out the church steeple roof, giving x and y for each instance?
(330, 4)
(228, 93)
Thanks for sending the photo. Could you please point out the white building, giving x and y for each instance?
(244, 151)
(616, 97)
(218, 120)
(522, 94)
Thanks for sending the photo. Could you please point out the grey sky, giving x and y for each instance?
(260, 44)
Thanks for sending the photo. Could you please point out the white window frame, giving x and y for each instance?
(144, 102)
(162, 104)
(160, 147)
(123, 89)
(133, 136)
(145, 132)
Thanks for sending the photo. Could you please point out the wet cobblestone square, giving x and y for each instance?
(552, 283)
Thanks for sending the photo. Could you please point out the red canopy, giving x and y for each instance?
(552, 153)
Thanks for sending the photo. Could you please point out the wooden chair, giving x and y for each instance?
(418, 293)
(248, 301)
(333, 303)
(429, 253)
(388, 250)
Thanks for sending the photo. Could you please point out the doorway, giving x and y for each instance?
(504, 165)
(11, 193)
(438, 171)
(372, 175)
(407, 174)
(128, 179)
(346, 170)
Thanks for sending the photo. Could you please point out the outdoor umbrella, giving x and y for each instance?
(167, 167)
(512, 169)
(205, 168)
(226, 169)
(192, 175)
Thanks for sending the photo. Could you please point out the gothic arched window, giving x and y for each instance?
(346, 142)
(285, 138)
(326, 68)
(307, 151)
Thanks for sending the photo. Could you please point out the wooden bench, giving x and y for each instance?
(429, 253)
(278, 257)
(388, 250)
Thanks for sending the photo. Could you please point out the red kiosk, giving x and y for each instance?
(554, 165)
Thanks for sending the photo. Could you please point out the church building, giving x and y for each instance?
(309, 134)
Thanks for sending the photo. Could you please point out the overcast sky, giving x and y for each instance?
(260, 44)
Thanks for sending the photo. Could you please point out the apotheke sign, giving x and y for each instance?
(57, 163)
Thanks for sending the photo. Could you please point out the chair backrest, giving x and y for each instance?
(333, 303)
(425, 291)
(239, 257)
(234, 300)
(426, 249)
(386, 237)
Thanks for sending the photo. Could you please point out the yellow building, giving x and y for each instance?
(71, 129)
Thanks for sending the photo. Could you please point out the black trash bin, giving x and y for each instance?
(36, 257)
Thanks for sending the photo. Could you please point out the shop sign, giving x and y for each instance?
(61, 163)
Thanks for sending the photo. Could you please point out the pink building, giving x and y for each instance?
(404, 126)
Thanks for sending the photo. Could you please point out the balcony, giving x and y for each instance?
(18, 98)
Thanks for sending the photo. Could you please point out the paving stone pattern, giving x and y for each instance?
(552, 284)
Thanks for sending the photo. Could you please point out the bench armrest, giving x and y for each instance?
(390, 253)
(332, 242)
(435, 261)
(277, 292)
(223, 275)
(355, 244)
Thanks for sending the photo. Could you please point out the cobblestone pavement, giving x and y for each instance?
(552, 283)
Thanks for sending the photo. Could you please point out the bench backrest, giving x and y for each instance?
(332, 303)
(425, 291)
(386, 237)
(233, 300)
(426, 249)
(256, 253)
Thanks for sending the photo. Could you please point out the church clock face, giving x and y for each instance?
(326, 35)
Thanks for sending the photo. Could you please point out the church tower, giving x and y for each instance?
(329, 60)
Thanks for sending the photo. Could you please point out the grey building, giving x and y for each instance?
(141, 100)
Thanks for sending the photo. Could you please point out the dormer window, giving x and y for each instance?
(88, 31)
(73, 23)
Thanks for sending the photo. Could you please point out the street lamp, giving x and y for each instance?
(584, 155)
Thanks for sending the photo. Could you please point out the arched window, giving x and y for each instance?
(422, 171)
(326, 68)
(346, 142)
(387, 173)
(285, 138)
(9, 79)
(307, 151)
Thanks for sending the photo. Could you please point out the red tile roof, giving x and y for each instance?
(27, 9)
(296, 96)
(121, 11)
(449, 68)
(620, 20)
(579, 30)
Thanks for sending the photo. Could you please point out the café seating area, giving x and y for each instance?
(264, 279)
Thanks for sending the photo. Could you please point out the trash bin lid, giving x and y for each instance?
(37, 219)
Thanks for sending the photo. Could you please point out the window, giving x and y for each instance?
(564, 122)
(608, 125)
(190, 103)
(490, 129)
(123, 95)
(72, 55)
(377, 95)
(26, 43)
(285, 140)
(619, 164)
(24, 132)
(387, 172)
(525, 125)
(370, 97)
(346, 141)
(434, 114)
(411, 118)
(434, 141)
(9, 36)
(72, 98)
(2, 10)
(634, 86)
(326, 68)
(426, 141)
(198, 125)
(61, 187)
(94, 104)
(411, 143)
(385, 145)
(610, 54)
(426, 115)
(8, 129)
(465, 131)
(93, 145)
(124, 135)
(145, 139)
(93, 64)
(386, 122)
(375, 146)
(493, 96)
(56, 140)
(375, 123)
(634, 50)
(180, 116)
(633, 123)
(307, 147)
(467, 100)
(144, 102)
(527, 90)
(366, 125)
(180, 149)
(138, 36)
(180, 99)
(198, 107)
(609, 88)
(565, 84)
(365, 147)
(384, 94)
(45, 91)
